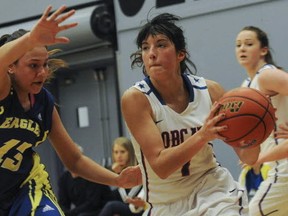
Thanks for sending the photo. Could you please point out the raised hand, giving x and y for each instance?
(46, 29)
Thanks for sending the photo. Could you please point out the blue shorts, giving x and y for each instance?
(32, 202)
(35, 196)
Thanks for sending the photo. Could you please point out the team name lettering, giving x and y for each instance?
(176, 137)
(27, 124)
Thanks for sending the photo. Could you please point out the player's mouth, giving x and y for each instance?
(243, 57)
(154, 65)
(39, 83)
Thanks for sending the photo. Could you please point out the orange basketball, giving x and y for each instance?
(249, 115)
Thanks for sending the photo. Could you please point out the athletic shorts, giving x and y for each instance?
(35, 196)
(271, 198)
(217, 194)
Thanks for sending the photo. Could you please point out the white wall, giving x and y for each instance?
(210, 27)
(12, 10)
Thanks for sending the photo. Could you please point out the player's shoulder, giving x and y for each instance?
(131, 98)
(216, 91)
(131, 93)
(212, 83)
(138, 88)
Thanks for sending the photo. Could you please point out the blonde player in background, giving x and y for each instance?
(254, 55)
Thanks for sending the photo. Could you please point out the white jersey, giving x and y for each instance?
(279, 168)
(175, 128)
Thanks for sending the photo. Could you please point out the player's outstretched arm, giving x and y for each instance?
(43, 33)
(84, 166)
(278, 152)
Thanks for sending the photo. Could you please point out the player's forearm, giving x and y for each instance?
(277, 153)
(13, 50)
(95, 172)
(171, 159)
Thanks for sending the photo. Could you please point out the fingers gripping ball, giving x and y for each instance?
(249, 115)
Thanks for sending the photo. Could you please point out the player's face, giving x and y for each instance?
(248, 49)
(120, 155)
(160, 57)
(31, 70)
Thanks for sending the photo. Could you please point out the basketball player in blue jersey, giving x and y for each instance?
(253, 53)
(28, 117)
(172, 122)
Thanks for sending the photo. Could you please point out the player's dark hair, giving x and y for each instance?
(162, 24)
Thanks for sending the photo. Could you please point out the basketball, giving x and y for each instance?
(249, 115)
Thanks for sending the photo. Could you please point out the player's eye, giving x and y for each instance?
(144, 48)
(33, 66)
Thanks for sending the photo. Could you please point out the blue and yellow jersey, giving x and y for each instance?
(250, 180)
(20, 131)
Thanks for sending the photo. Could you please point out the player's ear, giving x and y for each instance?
(264, 51)
(181, 55)
(11, 68)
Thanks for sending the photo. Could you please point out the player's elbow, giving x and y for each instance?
(250, 161)
(73, 164)
(163, 176)
(248, 156)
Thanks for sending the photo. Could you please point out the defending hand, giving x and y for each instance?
(130, 177)
(47, 27)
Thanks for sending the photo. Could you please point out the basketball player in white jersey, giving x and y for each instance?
(252, 52)
(171, 125)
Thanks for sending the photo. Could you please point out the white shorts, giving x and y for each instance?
(217, 194)
(271, 198)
